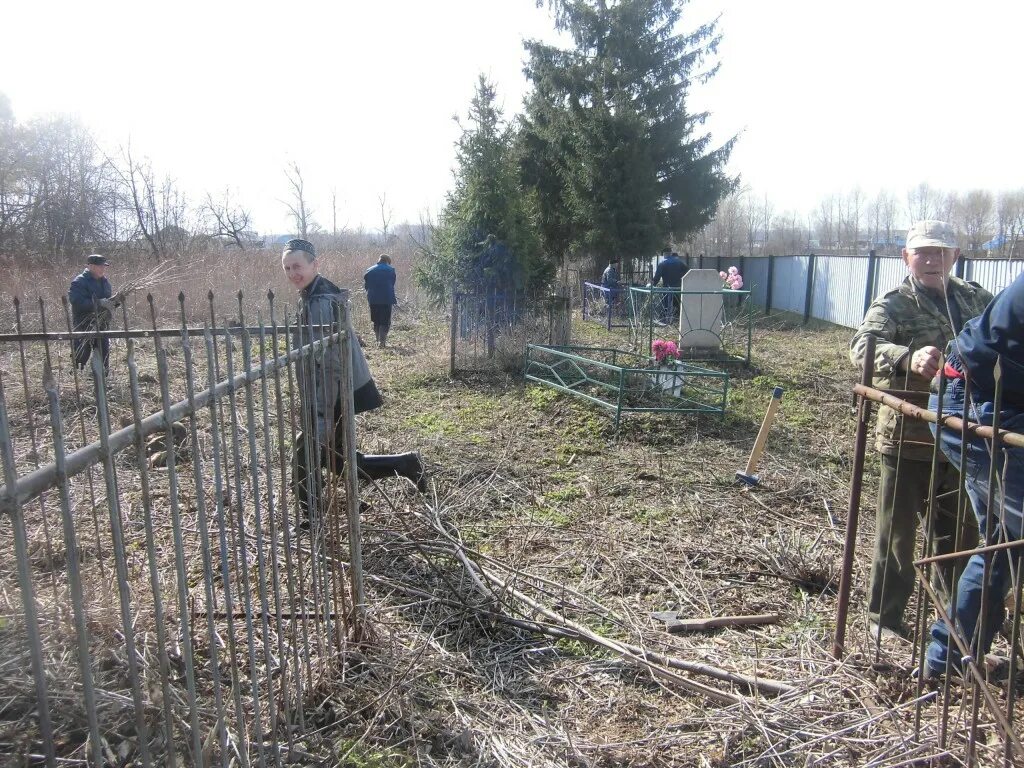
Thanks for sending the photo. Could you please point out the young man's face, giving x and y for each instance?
(930, 265)
(299, 271)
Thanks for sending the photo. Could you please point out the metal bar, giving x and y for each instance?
(28, 599)
(74, 577)
(29, 413)
(261, 561)
(241, 553)
(272, 519)
(298, 512)
(853, 509)
(453, 332)
(120, 566)
(170, 752)
(348, 425)
(204, 542)
(225, 552)
(184, 624)
(1014, 439)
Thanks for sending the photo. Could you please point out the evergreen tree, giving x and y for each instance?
(486, 237)
(616, 161)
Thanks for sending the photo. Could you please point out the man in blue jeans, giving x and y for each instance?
(998, 333)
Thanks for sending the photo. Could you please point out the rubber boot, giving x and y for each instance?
(374, 467)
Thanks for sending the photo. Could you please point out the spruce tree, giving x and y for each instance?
(486, 237)
(617, 162)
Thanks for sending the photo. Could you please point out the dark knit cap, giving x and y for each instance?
(298, 244)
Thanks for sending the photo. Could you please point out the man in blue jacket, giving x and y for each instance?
(379, 281)
(998, 333)
(670, 274)
(91, 309)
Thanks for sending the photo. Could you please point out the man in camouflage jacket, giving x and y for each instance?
(911, 325)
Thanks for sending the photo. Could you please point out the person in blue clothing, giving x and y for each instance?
(998, 333)
(670, 274)
(91, 309)
(379, 281)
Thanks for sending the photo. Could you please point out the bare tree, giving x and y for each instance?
(386, 213)
(973, 216)
(1010, 212)
(766, 222)
(227, 219)
(921, 202)
(298, 207)
(825, 222)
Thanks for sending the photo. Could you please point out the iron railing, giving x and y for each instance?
(170, 607)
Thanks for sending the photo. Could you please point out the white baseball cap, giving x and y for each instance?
(930, 234)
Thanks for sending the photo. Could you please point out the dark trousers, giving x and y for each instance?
(310, 461)
(380, 316)
(82, 350)
(902, 503)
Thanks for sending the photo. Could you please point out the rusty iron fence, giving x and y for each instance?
(489, 330)
(163, 602)
(974, 705)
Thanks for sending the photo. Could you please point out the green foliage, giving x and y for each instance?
(486, 238)
(615, 160)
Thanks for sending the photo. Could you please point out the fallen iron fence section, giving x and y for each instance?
(170, 607)
(625, 382)
(489, 331)
(971, 701)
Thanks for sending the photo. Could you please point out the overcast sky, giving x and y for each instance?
(825, 95)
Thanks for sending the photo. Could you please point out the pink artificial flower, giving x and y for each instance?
(733, 271)
(722, 275)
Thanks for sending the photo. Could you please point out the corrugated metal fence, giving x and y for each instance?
(838, 289)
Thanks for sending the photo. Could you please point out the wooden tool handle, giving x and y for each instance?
(762, 433)
(699, 625)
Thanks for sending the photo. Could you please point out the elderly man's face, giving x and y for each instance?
(930, 266)
(299, 271)
(97, 270)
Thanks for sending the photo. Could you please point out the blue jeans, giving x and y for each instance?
(967, 608)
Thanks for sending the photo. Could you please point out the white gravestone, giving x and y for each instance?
(701, 314)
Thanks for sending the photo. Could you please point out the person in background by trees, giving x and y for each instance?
(610, 276)
(997, 333)
(379, 281)
(911, 324)
(319, 383)
(91, 309)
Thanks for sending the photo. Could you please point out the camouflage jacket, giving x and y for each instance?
(902, 321)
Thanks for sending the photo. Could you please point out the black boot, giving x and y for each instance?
(407, 465)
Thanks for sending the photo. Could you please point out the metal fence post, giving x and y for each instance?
(809, 297)
(454, 332)
(769, 283)
(869, 289)
(853, 511)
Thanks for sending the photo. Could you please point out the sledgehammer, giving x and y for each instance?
(748, 475)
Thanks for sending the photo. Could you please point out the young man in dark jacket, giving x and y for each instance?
(379, 281)
(91, 309)
(320, 446)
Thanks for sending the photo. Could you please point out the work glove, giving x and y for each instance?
(107, 304)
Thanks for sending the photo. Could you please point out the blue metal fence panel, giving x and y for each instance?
(790, 284)
(891, 272)
(755, 279)
(839, 284)
(993, 274)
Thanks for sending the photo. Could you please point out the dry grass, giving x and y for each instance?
(537, 511)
